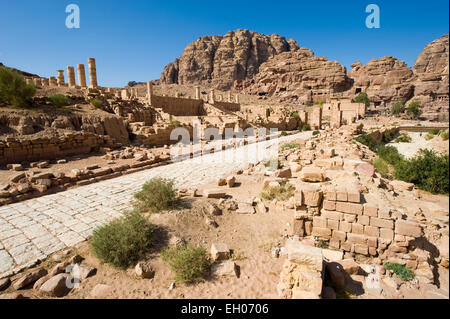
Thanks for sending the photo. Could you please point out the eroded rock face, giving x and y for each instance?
(299, 75)
(431, 70)
(220, 60)
(384, 80)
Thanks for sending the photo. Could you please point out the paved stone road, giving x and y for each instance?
(34, 229)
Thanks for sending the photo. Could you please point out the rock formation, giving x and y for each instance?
(220, 60)
(431, 71)
(384, 80)
(298, 75)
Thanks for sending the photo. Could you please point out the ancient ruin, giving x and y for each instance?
(328, 212)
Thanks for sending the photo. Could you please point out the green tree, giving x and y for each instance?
(413, 111)
(398, 107)
(362, 98)
(14, 90)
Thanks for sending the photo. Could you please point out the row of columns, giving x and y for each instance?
(60, 80)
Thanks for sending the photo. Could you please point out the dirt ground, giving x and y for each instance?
(250, 237)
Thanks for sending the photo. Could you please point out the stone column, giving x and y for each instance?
(92, 73)
(149, 92)
(71, 76)
(236, 98)
(60, 78)
(212, 96)
(197, 92)
(81, 75)
(37, 81)
(229, 96)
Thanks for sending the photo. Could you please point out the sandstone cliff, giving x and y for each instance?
(220, 60)
(384, 80)
(431, 71)
(298, 75)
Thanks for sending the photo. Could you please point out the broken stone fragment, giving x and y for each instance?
(56, 286)
(29, 278)
(219, 251)
(224, 269)
(144, 270)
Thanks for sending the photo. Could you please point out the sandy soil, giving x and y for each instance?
(418, 142)
(249, 236)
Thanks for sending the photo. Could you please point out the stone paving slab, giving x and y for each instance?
(33, 229)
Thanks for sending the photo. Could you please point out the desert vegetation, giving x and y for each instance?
(156, 195)
(14, 90)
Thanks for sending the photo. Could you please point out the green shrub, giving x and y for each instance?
(366, 140)
(96, 103)
(435, 131)
(273, 164)
(306, 127)
(322, 244)
(444, 136)
(428, 170)
(319, 102)
(309, 103)
(290, 145)
(362, 98)
(316, 132)
(173, 122)
(429, 136)
(381, 166)
(59, 100)
(188, 262)
(413, 111)
(281, 193)
(284, 133)
(157, 194)
(123, 241)
(404, 138)
(398, 107)
(403, 272)
(389, 153)
(14, 90)
(295, 115)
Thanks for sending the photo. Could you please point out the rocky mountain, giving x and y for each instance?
(431, 71)
(298, 75)
(384, 80)
(220, 60)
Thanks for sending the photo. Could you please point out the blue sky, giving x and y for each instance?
(134, 40)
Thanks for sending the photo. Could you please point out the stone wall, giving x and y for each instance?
(19, 150)
(344, 219)
(228, 106)
(178, 106)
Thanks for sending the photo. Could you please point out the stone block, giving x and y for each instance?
(219, 251)
(356, 238)
(357, 228)
(349, 208)
(370, 210)
(371, 231)
(345, 226)
(321, 232)
(364, 220)
(408, 228)
(340, 235)
(331, 215)
(332, 224)
(319, 222)
(354, 196)
(382, 223)
(329, 205)
(341, 195)
(362, 249)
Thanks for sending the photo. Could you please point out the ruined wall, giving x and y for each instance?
(178, 106)
(16, 151)
(228, 106)
(344, 219)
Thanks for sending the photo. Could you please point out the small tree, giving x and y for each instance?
(157, 194)
(362, 98)
(14, 90)
(398, 107)
(413, 111)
